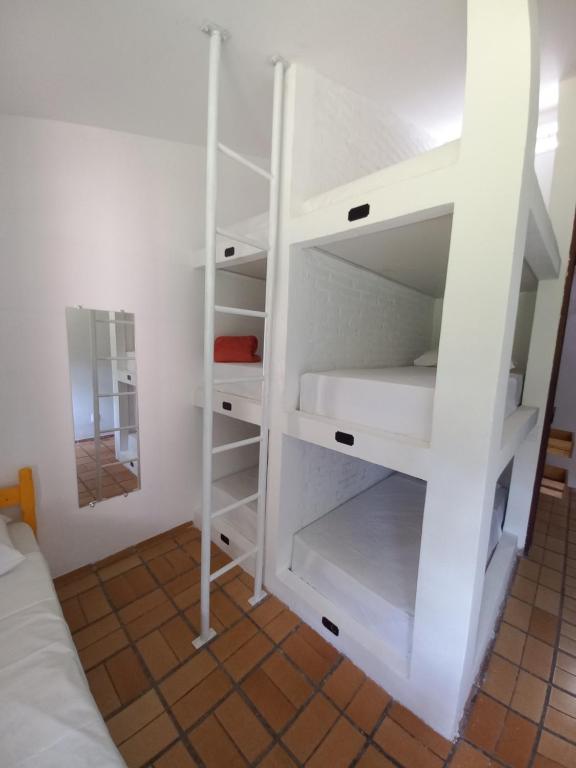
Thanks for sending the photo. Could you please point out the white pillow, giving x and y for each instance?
(10, 557)
(428, 359)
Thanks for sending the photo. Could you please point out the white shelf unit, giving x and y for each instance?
(240, 282)
(470, 215)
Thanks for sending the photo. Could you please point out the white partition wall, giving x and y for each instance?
(491, 210)
(485, 185)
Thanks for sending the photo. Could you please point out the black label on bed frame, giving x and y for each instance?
(359, 212)
(226, 406)
(330, 626)
(230, 251)
(345, 438)
(225, 539)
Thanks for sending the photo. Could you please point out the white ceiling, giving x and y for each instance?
(140, 65)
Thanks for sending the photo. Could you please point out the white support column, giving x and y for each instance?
(547, 313)
(483, 283)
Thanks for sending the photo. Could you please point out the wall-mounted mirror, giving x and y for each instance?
(101, 351)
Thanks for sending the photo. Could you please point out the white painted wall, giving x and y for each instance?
(105, 220)
(341, 136)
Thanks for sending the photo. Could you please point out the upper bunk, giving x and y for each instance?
(380, 408)
(241, 248)
(413, 193)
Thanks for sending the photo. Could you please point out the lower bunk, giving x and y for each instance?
(363, 556)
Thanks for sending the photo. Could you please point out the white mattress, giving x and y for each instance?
(398, 400)
(48, 718)
(231, 488)
(363, 556)
(236, 370)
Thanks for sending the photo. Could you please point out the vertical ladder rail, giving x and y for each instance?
(273, 214)
(206, 632)
(95, 402)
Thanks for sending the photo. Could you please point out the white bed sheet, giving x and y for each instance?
(235, 370)
(231, 488)
(48, 718)
(363, 556)
(398, 400)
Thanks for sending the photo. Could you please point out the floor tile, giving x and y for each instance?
(537, 658)
(510, 642)
(201, 699)
(467, 756)
(135, 716)
(529, 695)
(187, 676)
(562, 752)
(157, 654)
(141, 748)
(339, 748)
(310, 727)
(485, 723)
(516, 741)
(372, 758)
(176, 757)
(242, 725)
(214, 746)
(419, 730)
(288, 679)
(102, 689)
(270, 700)
(343, 683)
(400, 745)
(500, 679)
(127, 675)
(368, 705)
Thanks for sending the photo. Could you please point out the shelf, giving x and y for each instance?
(235, 256)
(241, 408)
(517, 427)
(560, 443)
(554, 481)
(398, 452)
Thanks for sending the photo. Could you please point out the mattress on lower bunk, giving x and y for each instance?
(364, 555)
(239, 370)
(398, 400)
(231, 488)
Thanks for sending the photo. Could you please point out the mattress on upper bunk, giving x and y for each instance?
(364, 555)
(396, 400)
(239, 370)
(234, 487)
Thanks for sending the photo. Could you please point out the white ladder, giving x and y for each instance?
(217, 36)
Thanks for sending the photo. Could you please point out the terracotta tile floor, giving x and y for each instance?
(269, 691)
(116, 480)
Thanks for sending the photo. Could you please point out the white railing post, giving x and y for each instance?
(279, 67)
(206, 633)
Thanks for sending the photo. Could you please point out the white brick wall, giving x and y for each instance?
(341, 136)
(326, 479)
(342, 316)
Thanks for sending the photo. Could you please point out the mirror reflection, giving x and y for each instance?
(102, 356)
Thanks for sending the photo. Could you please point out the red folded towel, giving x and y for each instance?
(236, 349)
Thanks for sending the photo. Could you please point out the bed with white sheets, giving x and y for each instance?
(48, 718)
(363, 556)
(398, 400)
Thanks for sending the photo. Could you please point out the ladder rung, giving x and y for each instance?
(235, 505)
(117, 429)
(242, 239)
(237, 444)
(244, 161)
(239, 380)
(239, 311)
(232, 564)
(118, 394)
(115, 358)
(119, 463)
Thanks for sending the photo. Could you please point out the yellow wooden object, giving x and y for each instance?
(21, 495)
